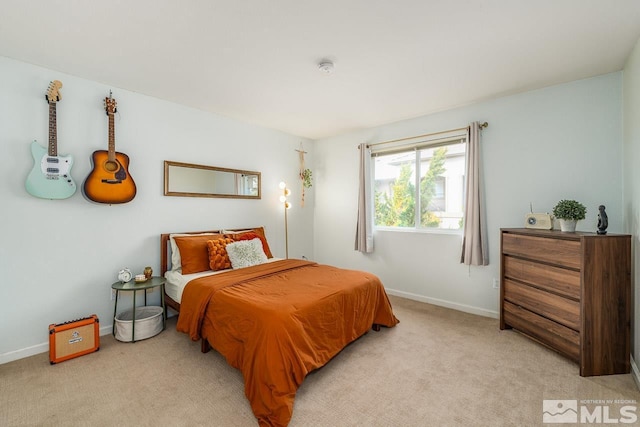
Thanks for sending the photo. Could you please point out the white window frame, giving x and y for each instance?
(406, 145)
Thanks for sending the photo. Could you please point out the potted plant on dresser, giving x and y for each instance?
(569, 212)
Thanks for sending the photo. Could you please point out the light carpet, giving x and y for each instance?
(438, 367)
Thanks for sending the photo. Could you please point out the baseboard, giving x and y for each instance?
(635, 373)
(444, 303)
(107, 329)
(39, 348)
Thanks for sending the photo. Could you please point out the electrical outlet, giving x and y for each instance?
(496, 283)
(113, 294)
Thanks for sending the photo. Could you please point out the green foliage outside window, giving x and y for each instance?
(398, 210)
(428, 187)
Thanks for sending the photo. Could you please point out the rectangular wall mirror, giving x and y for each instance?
(190, 180)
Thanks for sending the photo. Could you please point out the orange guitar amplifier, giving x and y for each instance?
(75, 338)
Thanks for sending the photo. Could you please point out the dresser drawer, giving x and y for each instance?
(552, 334)
(555, 279)
(555, 251)
(554, 307)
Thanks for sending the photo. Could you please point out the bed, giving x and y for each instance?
(276, 320)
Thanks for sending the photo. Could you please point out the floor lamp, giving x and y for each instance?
(285, 193)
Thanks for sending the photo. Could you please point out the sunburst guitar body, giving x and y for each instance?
(109, 181)
(50, 177)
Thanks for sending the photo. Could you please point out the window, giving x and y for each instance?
(420, 185)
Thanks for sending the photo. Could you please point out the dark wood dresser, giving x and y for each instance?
(570, 292)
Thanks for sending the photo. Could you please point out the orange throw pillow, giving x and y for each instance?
(218, 258)
(194, 253)
(246, 236)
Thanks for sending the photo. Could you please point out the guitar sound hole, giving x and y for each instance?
(111, 166)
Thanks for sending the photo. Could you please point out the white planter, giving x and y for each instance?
(568, 225)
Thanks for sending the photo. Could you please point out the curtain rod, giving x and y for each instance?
(481, 125)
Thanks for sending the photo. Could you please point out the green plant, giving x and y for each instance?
(398, 207)
(306, 176)
(429, 219)
(569, 209)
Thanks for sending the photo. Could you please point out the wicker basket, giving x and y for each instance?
(149, 323)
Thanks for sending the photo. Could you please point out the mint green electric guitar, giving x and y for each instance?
(50, 177)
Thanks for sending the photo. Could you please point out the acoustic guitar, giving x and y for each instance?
(109, 180)
(50, 177)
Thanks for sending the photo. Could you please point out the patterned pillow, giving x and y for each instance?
(246, 253)
(218, 258)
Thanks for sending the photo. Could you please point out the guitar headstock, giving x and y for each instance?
(110, 104)
(53, 95)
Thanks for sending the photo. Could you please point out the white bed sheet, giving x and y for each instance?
(176, 281)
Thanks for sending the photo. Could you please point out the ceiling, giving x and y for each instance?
(257, 60)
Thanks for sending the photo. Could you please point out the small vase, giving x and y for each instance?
(568, 225)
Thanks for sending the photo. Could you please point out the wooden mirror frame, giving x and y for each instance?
(169, 192)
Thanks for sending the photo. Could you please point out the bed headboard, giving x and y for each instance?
(165, 246)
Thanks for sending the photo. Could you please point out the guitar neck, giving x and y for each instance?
(53, 130)
(112, 139)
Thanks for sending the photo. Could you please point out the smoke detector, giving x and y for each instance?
(326, 66)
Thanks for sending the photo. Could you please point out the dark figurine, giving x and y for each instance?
(603, 221)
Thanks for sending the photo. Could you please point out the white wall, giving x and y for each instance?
(631, 131)
(541, 146)
(58, 258)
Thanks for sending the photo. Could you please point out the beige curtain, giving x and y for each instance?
(474, 241)
(364, 228)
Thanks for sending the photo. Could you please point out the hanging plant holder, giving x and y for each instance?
(306, 177)
(305, 174)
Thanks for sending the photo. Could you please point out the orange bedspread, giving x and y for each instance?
(279, 321)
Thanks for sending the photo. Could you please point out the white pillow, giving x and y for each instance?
(176, 261)
(223, 231)
(246, 253)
